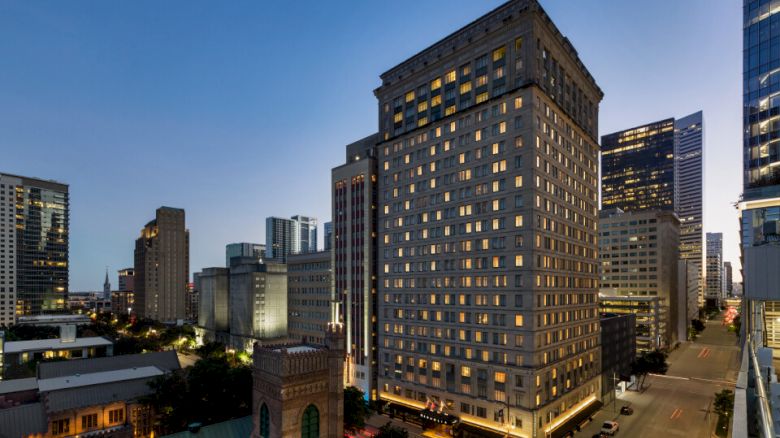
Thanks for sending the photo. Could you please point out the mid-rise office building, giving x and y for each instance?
(126, 277)
(244, 249)
(257, 303)
(191, 302)
(328, 227)
(213, 311)
(162, 267)
(639, 252)
(309, 296)
(714, 291)
(34, 227)
(354, 195)
(487, 224)
(304, 234)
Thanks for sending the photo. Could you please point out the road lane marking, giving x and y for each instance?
(676, 414)
(704, 353)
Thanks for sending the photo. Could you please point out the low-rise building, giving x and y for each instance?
(122, 302)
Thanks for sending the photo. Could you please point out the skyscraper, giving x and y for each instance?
(488, 203)
(278, 238)
(35, 227)
(637, 168)
(727, 278)
(689, 179)
(714, 292)
(353, 187)
(304, 234)
(162, 267)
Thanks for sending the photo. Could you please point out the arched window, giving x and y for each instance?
(264, 422)
(310, 426)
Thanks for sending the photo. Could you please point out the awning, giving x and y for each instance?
(438, 417)
(573, 423)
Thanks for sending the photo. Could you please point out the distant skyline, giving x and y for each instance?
(238, 111)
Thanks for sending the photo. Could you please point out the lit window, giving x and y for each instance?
(482, 80)
(410, 96)
(519, 220)
(436, 100)
(435, 84)
(449, 110)
(449, 77)
(499, 54)
(518, 102)
(518, 260)
(422, 106)
(465, 87)
(481, 97)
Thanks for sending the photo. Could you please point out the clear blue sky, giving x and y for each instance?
(238, 110)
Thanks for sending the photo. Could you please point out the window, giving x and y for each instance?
(499, 54)
(410, 96)
(116, 416)
(310, 426)
(518, 260)
(435, 84)
(465, 87)
(265, 423)
(59, 427)
(449, 77)
(518, 320)
(88, 421)
(481, 97)
(518, 102)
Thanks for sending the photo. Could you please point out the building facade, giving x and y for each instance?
(257, 303)
(354, 195)
(637, 168)
(162, 267)
(126, 277)
(279, 238)
(328, 227)
(298, 389)
(639, 254)
(714, 291)
(34, 226)
(304, 234)
(651, 318)
(122, 302)
(728, 287)
(487, 224)
(618, 351)
(244, 249)
(689, 180)
(309, 296)
(213, 312)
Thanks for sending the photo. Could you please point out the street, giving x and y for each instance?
(677, 404)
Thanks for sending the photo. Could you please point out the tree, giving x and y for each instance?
(698, 325)
(356, 411)
(390, 431)
(724, 403)
(653, 362)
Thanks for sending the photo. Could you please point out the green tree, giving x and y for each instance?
(724, 403)
(653, 362)
(356, 410)
(698, 325)
(390, 431)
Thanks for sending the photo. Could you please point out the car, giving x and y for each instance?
(610, 427)
(626, 410)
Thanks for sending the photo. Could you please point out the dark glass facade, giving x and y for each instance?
(42, 209)
(637, 168)
(761, 88)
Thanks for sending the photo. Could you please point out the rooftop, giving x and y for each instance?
(297, 349)
(17, 385)
(164, 360)
(54, 344)
(77, 380)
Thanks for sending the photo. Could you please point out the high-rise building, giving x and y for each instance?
(278, 238)
(309, 296)
(304, 234)
(727, 279)
(714, 292)
(639, 252)
(126, 277)
(244, 249)
(487, 226)
(213, 312)
(328, 227)
(354, 195)
(637, 168)
(689, 180)
(162, 267)
(34, 225)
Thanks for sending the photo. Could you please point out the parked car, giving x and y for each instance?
(626, 410)
(610, 427)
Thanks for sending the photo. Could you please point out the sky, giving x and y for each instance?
(236, 111)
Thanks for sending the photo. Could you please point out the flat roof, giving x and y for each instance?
(54, 344)
(17, 385)
(298, 349)
(98, 378)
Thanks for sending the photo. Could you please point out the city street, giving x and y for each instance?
(677, 404)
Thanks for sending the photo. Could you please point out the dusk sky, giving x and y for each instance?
(236, 111)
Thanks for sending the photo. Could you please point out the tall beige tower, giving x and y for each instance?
(162, 267)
